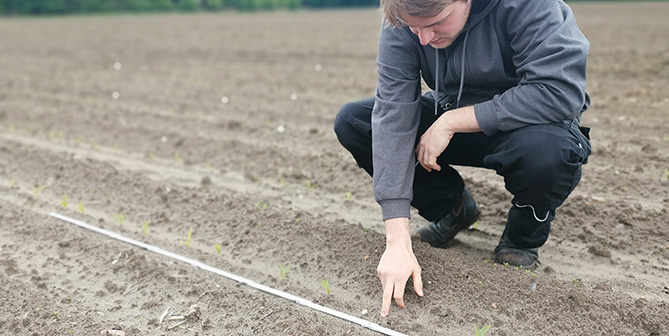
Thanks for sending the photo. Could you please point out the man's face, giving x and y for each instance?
(441, 30)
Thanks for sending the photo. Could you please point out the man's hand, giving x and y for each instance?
(435, 140)
(397, 264)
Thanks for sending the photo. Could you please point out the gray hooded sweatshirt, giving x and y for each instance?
(518, 62)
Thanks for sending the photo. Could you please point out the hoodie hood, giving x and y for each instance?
(480, 9)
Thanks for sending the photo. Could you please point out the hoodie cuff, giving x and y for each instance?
(485, 117)
(394, 208)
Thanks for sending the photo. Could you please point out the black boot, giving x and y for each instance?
(507, 253)
(441, 233)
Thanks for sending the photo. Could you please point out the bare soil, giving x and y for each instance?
(223, 123)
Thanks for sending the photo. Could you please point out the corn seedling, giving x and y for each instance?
(476, 225)
(63, 201)
(37, 192)
(81, 206)
(326, 285)
(190, 234)
(217, 247)
(145, 228)
(481, 332)
(310, 185)
(283, 271)
(12, 183)
(120, 219)
(262, 205)
(282, 181)
(348, 195)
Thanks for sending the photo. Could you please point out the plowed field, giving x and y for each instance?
(152, 125)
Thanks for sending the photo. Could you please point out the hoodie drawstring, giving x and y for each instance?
(462, 70)
(435, 93)
(436, 80)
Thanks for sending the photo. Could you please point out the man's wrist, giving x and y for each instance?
(397, 232)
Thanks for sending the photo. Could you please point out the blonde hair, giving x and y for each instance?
(419, 8)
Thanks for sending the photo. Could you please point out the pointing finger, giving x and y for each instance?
(387, 297)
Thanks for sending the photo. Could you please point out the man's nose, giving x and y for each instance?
(425, 36)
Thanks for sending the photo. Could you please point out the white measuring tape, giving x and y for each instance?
(243, 281)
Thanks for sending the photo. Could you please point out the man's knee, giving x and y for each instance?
(540, 167)
(353, 124)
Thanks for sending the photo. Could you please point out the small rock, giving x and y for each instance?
(533, 287)
(600, 251)
(494, 305)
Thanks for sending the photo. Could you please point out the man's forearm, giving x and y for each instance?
(461, 120)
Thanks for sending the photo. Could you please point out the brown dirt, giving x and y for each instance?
(169, 152)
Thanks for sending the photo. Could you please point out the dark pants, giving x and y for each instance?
(541, 165)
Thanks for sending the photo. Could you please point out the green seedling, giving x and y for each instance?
(120, 218)
(188, 237)
(283, 271)
(63, 202)
(476, 225)
(217, 247)
(348, 195)
(37, 192)
(145, 228)
(81, 206)
(77, 142)
(326, 285)
(12, 183)
(61, 135)
(94, 145)
(262, 205)
(282, 181)
(310, 185)
(481, 332)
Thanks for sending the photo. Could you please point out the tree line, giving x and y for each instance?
(55, 7)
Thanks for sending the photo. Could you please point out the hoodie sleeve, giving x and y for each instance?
(549, 55)
(395, 120)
